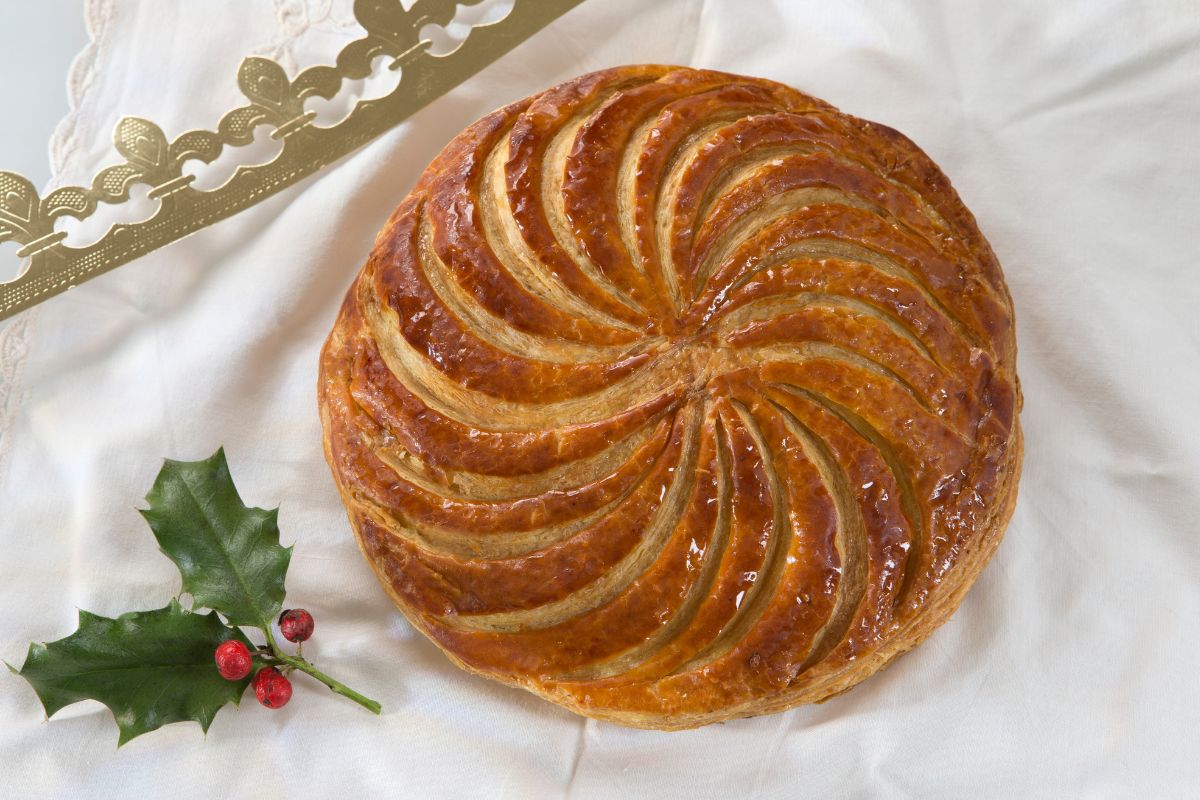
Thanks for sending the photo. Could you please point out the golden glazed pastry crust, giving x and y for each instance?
(675, 396)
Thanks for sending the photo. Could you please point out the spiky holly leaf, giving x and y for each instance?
(229, 554)
(150, 668)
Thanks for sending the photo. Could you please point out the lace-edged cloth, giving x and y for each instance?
(297, 19)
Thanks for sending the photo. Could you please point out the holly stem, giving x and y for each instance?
(302, 664)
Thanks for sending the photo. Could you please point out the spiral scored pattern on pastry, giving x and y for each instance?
(676, 396)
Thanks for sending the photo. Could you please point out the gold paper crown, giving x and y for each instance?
(392, 31)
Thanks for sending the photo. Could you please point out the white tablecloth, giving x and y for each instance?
(1072, 130)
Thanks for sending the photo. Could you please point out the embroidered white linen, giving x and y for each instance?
(1068, 128)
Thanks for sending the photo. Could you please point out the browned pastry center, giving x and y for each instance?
(675, 396)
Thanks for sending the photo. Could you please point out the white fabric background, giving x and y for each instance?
(1070, 128)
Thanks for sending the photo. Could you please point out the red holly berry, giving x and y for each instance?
(296, 625)
(272, 688)
(233, 660)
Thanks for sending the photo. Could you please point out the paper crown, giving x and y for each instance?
(403, 37)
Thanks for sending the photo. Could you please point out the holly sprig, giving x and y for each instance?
(152, 668)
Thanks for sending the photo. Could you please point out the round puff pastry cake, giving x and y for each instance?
(675, 396)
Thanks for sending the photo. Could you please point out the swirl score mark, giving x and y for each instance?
(675, 396)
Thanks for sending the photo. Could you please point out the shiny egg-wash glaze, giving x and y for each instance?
(675, 396)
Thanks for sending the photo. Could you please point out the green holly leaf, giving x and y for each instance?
(229, 554)
(150, 668)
